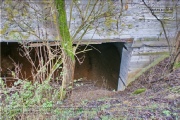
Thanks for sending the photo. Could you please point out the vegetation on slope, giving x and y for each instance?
(159, 99)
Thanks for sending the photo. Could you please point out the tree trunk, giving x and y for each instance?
(68, 72)
(67, 50)
(176, 55)
(178, 47)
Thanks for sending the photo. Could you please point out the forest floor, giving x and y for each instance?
(154, 95)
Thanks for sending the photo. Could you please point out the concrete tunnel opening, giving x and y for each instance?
(101, 64)
(9, 56)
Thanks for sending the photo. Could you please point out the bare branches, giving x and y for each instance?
(92, 15)
(162, 24)
(31, 22)
(173, 53)
(44, 60)
(27, 20)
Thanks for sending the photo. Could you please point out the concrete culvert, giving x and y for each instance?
(100, 65)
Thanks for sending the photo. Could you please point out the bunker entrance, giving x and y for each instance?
(9, 56)
(99, 63)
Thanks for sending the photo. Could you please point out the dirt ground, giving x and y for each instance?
(159, 100)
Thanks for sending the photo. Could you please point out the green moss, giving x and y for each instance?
(177, 65)
(130, 26)
(63, 28)
(5, 28)
(138, 91)
(168, 11)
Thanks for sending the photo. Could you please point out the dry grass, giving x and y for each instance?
(87, 90)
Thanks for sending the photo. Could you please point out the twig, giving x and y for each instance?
(162, 24)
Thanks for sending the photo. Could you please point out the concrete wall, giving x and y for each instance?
(28, 20)
(136, 20)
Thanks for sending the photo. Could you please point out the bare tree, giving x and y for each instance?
(28, 22)
(89, 16)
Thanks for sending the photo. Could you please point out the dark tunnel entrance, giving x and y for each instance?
(100, 65)
(11, 61)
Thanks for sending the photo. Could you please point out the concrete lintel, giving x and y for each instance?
(39, 43)
(100, 41)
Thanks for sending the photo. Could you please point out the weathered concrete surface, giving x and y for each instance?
(32, 20)
(136, 20)
(140, 63)
(125, 52)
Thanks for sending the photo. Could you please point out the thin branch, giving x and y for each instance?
(162, 24)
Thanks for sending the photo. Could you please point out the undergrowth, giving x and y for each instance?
(37, 101)
(177, 65)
